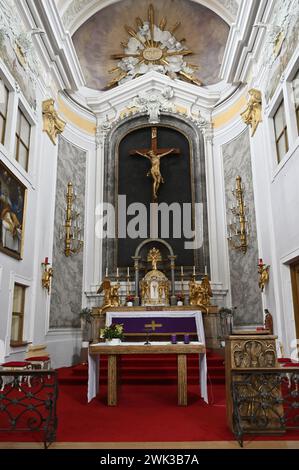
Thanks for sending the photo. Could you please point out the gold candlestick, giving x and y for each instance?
(237, 230)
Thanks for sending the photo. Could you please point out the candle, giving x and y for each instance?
(128, 271)
(261, 262)
(46, 260)
(186, 339)
(117, 272)
(107, 271)
(173, 339)
(193, 270)
(206, 269)
(182, 270)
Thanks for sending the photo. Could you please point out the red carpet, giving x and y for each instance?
(145, 413)
(145, 369)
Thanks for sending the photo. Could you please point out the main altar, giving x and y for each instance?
(155, 305)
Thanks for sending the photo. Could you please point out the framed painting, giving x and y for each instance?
(13, 195)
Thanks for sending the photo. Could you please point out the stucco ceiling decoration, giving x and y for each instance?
(75, 12)
(153, 44)
(153, 47)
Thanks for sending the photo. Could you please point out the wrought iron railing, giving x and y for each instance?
(265, 401)
(28, 402)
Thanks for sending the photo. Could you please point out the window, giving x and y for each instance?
(17, 324)
(22, 140)
(296, 97)
(3, 110)
(281, 132)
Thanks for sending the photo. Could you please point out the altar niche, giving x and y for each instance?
(136, 181)
(132, 176)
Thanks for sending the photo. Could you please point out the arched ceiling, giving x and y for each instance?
(76, 12)
(100, 36)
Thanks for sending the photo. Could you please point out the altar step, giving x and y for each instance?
(148, 369)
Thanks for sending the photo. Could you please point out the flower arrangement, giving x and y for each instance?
(116, 330)
(180, 298)
(130, 298)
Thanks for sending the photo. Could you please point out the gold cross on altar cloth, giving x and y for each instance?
(154, 155)
(153, 325)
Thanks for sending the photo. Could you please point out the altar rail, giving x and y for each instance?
(265, 401)
(28, 402)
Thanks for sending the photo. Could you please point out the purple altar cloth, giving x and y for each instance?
(169, 325)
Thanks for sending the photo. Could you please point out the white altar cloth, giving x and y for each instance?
(94, 360)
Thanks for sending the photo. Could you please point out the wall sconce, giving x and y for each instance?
(237, 228)
(71, 233)
(47, 275)
(263, 271)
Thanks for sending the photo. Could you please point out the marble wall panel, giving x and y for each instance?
(66, 295)
(246, 295)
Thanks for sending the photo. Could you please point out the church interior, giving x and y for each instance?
(149, 228)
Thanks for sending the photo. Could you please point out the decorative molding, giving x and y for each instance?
(152, 103)
(241, 40)
(74, 9)
(17, 50)
(252, 115)
(79, 11)
(53, 124)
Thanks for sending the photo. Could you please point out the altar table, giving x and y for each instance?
(113, 351)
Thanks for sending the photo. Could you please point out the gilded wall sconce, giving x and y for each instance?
(263, 271)
(71, 231)
(47, 275)
(238, 227)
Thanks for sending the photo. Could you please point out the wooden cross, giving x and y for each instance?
(154, 154)
(153, 325)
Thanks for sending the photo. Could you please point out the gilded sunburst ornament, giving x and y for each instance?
(152, 47)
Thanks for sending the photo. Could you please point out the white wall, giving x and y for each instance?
(40, 184)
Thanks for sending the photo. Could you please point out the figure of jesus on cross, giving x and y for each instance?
(154, 155)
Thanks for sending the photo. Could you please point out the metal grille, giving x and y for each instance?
(265, 401)
(28, 402)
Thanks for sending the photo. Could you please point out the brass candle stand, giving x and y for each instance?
(71, 235)
(237, 229)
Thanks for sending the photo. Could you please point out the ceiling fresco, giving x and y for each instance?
(199, 42)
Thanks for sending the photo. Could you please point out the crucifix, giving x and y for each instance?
(154, 155)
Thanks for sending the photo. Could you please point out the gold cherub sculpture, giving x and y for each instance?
(111, 296)
(199, 294)
(253, 113)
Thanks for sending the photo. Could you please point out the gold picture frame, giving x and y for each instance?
(13, 200)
